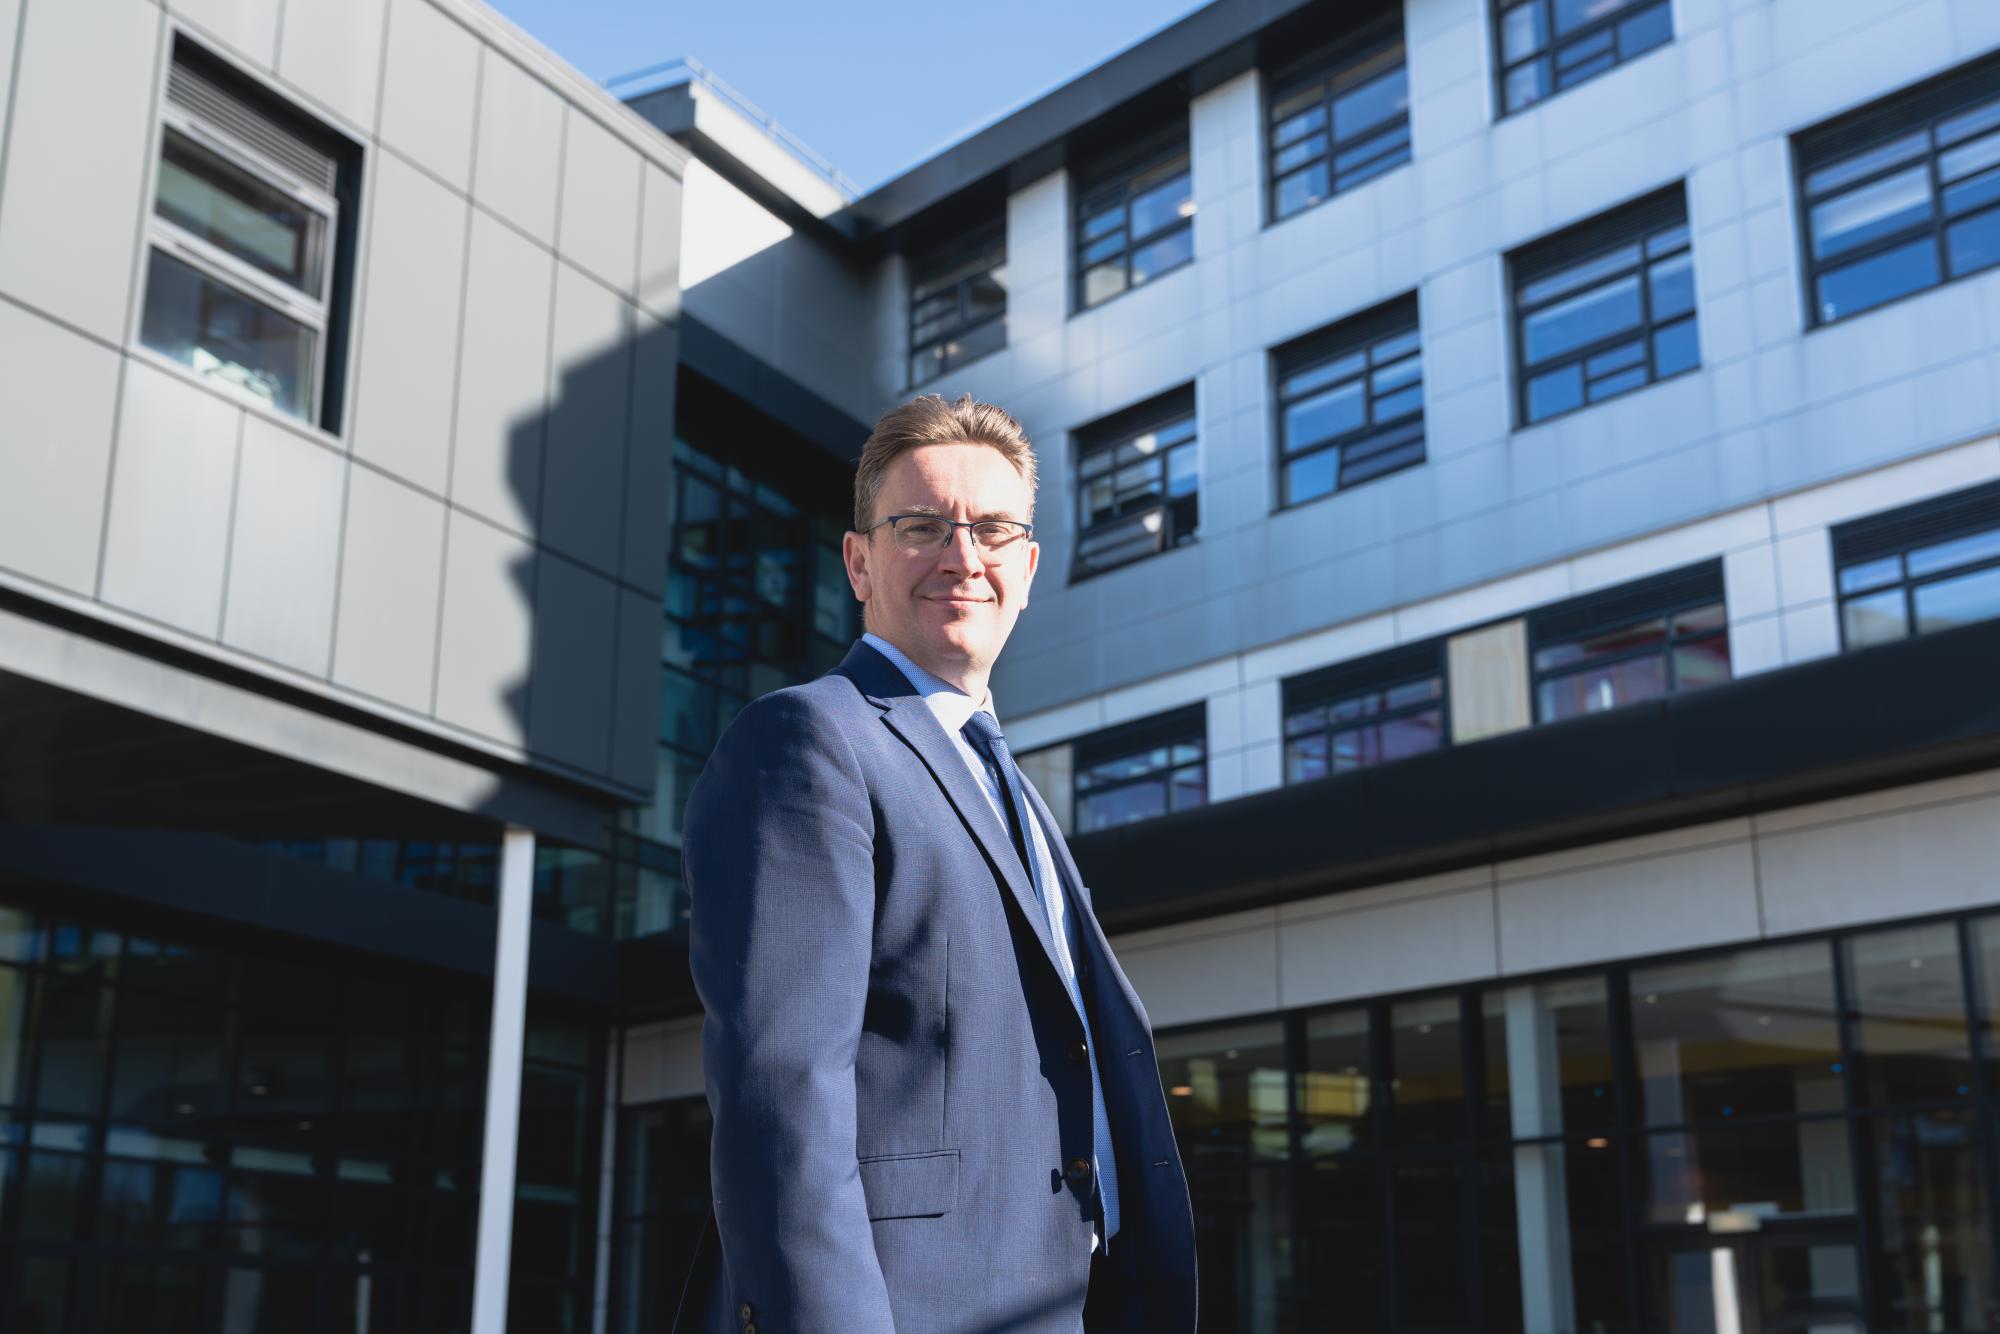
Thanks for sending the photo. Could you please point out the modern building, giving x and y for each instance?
(1516, 646)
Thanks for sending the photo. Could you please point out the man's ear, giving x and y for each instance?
(854, 554)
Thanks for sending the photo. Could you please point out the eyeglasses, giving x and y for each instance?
(926, 534)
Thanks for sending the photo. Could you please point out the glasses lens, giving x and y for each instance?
(921, 534)
(995, 534)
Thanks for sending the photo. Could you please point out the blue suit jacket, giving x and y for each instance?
(892, 1057)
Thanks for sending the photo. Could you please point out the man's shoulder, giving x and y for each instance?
(829, 701)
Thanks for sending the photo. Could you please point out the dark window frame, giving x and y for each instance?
(1665, 597)
(988, 243)
(1657, 228)
(1897, 533)
(1377, 674)
(1136, 172)
(1918, 110)
(1337, 70)
(1184, 726)
(1179, 515)
(1366, 334)
(1551, 46)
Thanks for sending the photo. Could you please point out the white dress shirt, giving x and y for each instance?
(953, 708)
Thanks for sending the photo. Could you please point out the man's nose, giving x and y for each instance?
(961, 552)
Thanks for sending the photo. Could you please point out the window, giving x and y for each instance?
(1134, 221)
(1350, 403)
(1136, 483)
(247, 263)
(1546, 46)
(1137, 771)
(1638, 642)
(1357, 714)
(1336, 122)
(1777, 1137)
(1920, 568)
(1605, 308)
(1902, 196)
(958, 304)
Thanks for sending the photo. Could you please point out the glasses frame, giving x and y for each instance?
(1027, 530)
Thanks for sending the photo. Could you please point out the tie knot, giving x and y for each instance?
(984, 729)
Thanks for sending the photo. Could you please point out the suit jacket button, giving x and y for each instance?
(1078, 1173)
(1079, 1051)
(749, 1328)
(743, 1313)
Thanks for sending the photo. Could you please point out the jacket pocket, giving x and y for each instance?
(910, 1185)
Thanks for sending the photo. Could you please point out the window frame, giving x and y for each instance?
(1338, 70)
(988, 239)
(1361, 334)
(313, 311)
(1503, 68)
(1187, 725)
(1910, 111)
(1898, 532)
(1136, 172)
(1377, 674)
(1663, 597)
(1636, 225)
(1103, 439)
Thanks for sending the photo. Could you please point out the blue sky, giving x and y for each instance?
(874, 86)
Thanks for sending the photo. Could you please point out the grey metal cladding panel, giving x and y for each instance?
(392, 552)
(285, 549)
(429, 90)
(68, 218)
(649, 463)
(584, 443)
(485, 644)
(249, 27)
(576, 638)
(635, 714)
(519, 155)
(502, 376)
(600, 203)
(172, 477)
(10, 22)
(408, 340)
(58, 392)
(659, 288)
(332, 51)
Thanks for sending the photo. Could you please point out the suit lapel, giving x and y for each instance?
(906, 714)
(1086, 930)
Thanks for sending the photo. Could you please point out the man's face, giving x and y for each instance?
(951, 610)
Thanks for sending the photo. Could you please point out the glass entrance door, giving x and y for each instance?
(1780, 1282)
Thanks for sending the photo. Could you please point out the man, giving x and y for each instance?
(937, 1106)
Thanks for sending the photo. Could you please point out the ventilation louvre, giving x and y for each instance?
(1927, 521)
(195, 92)
(1626, 603)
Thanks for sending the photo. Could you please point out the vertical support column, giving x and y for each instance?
(1541, 1198)
(607, 1181)
(503, 1084)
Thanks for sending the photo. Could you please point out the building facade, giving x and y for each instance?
(1514, 651)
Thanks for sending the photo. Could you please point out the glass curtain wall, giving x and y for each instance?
(1782, 1137)
(229, 1140)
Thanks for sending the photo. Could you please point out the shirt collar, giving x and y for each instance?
(952, 707)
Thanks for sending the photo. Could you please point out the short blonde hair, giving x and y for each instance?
(929, 420)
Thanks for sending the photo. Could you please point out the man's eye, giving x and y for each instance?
(992, 534)
(922, 530)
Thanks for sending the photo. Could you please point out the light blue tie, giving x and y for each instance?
(984, 731)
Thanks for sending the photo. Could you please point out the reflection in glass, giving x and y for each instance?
(1427, 1073)
(1908, 998)
(1226, 1094)
(1243, 1245)
(1765, 1170)
(1334, 1089)
(1345, 1243)
(226, 335)
(1744, 1034)
(237, 212)
(1934, 1258)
